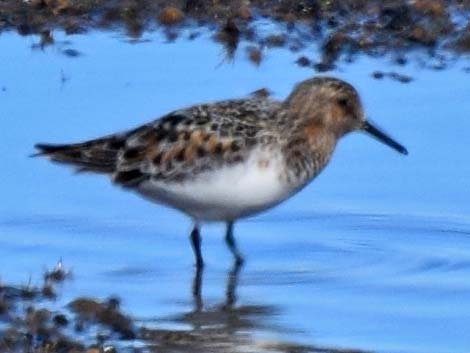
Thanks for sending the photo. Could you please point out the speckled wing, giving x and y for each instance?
(187, 142)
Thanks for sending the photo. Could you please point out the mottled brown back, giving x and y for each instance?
(180, 145)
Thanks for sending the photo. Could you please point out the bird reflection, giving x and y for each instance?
(230, 292)
(220, 327)
(224, 321)
(226, 326)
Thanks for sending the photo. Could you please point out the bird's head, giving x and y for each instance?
(333, 105)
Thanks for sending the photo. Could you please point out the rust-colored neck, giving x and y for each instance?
(308, 151)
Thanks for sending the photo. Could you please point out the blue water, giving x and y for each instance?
(373, 255)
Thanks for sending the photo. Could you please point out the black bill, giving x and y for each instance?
(382, 137)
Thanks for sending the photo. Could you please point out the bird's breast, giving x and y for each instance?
(229, 192)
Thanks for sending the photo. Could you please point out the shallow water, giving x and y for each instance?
(373, 255)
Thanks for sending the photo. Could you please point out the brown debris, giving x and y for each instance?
(261, 93)
(423, 36)
(303, 61)
(46, 38)
(229, 36)
(29, 326)
(170, 16)
(275, 40)
(254, 55)
(105, 313)
(400, 77)
(379, 75)
(462, 43)
(244, 12)
(57, 274)
(48, 291)
(339, 28)
(431, 7)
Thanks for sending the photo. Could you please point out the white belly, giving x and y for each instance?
(225, 194)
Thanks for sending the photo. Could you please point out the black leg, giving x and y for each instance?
(196, 244)
(197, 284)
(230, 294)
(230, 241)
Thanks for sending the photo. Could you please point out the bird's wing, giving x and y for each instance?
(187, 142)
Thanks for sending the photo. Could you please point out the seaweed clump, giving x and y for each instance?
(341, 29)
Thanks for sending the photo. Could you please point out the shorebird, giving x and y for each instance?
(230, 159)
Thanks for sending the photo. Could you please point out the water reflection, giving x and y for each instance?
(226, 326)
(223, 327)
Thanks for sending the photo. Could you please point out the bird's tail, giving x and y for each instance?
(98, 155)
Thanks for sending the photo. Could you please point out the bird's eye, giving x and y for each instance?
(343, 102)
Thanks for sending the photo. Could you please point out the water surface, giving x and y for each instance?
(373, 255)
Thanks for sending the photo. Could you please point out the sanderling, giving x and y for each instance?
(230, 159)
